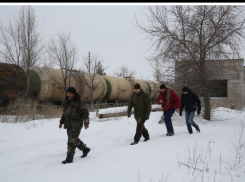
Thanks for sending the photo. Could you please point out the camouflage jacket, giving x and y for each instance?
(141, 103)
(74, 113)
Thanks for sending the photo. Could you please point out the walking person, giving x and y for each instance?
(75, 114)
(170, 103)
(142, 108)
(191, 103)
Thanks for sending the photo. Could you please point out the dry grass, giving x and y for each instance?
(25, 109)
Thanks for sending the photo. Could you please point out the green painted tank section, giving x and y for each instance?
(108, 88)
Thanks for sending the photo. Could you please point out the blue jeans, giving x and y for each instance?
(189, 120)
(167, 119)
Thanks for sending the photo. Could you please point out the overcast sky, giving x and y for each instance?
(109, 31)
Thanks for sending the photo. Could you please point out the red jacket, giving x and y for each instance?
(173, 103)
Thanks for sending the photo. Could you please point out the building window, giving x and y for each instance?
(218, 88)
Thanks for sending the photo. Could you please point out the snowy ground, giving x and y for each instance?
(33, 151)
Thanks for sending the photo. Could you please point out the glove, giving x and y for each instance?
(198, 112)
(180, 113)
(129, 114)
(146, 117)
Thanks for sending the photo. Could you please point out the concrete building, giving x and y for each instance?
(228, 75)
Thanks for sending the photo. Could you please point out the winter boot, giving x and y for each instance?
(85, 152)
(190, 131)
(170, 133)
(67, 161)
(146, 139)
(134, 143)
(197, 128)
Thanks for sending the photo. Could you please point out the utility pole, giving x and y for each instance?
(89, 62)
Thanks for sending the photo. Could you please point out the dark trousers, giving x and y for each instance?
(167, 119)
(189, 120)
(140, 130)
(73, 142)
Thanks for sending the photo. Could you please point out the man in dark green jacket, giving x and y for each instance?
(142, 108)
(74, 115)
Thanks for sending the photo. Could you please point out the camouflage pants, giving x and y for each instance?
(140, 130)
(73, 142)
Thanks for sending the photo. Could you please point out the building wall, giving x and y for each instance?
(234, 73)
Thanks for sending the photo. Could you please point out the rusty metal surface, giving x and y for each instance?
(13, 81)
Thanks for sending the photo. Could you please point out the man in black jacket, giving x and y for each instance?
(191, 102)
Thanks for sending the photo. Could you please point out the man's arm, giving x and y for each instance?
(62, 120)
(148, 105)
(130, 104)
(197, 100)
(158, 99)
(84, 114)
(182, 104)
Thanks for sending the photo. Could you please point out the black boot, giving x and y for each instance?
(134, 143)
(197, 128)
(170, 133)
(146, 139)
(190, 131)
(85, 152)
(67, 161)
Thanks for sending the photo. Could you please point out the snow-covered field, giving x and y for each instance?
(33, 151)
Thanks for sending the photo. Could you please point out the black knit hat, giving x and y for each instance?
(163, 86)
(71, 90)
(185, 89)
(137, 86)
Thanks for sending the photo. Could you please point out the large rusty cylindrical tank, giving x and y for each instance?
(93, 84)
(13, 82)
(118, 88)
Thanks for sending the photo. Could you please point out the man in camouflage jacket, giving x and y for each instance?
(142, 108)
(74, 115)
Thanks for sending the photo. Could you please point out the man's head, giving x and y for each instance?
(185, 90)
(137, 88)
(70, 93)
(163, 88)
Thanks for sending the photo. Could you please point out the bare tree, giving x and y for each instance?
(20, 40)
(63, 53)
(92, 80)
(123, 71)
(100, 70)
(197, 37)
(157, 73)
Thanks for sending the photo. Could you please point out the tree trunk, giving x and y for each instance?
(207, 109)
(92, 106)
